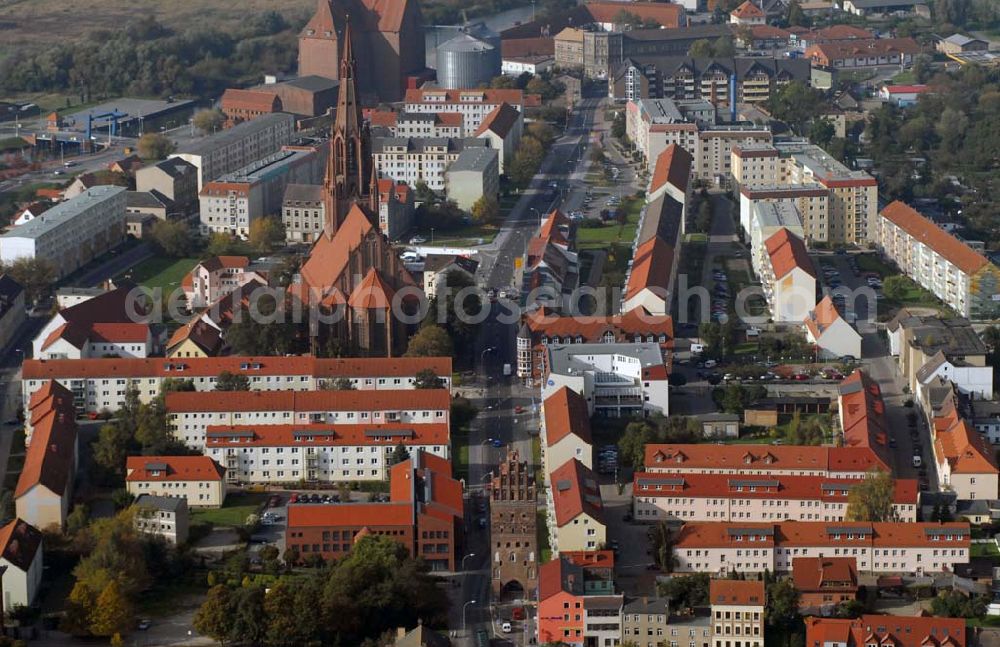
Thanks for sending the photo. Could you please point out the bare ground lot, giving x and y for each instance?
(37, 23)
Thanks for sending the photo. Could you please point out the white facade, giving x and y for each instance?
(519, 66)
(20, 586)
(839, 339)
(766, 219)
(976, 381)
(72, 233)
(472, 104)
(412, 160)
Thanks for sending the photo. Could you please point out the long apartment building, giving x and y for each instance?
(787, 276)
(289, 453)
(99, 384)
(957, 274)
(810, 201)
(424, 513)
(853, 195)
(473, 104)
(918, 548)
(191, 413)
(829, 462)
(231, 203)
(896, 630)
(236, 147)
(654, 127)
(662, 496)
(72, 233)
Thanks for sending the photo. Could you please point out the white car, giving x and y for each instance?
(506, 628)
(418, 240)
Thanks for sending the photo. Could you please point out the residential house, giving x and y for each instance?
(737, 612)
(303, 212)
(720, 425)
(424, 513)
(395, 208)
(787, 277)
(163, 516)
(959, 44)
(565, 430)
(831, 462)
(966, 463)
(197, 479)
(21, 562)
(420, 636)
(891, 547)
(216, 277)
(502, 128)
(747, 14)
(473, 175)
(422, 159)
(961, 277)
(175, 179)
(886, 7)
(575, 509)
(830, 333)
(197, 338)
(900, 630)
(473, 104)
(438, 267)
(681, 498)
(824, 583)
(811, 204)
(577, 603)
(550, 268)
(44, 488)
(849, 54)
(902, 95)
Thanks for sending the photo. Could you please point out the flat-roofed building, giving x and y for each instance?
(811, 202)
(232, 149)
(475, 174)
(72, 233)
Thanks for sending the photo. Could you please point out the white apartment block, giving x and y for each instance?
(616, 379)
(268, 454)
(683, 498)
(412, 160)
(99, 384)
(957, 274)
(190, 414)
(236, 147)
(712, 158)
(473, 104)
(787, 277)
(917, 548)
(72, 233)
(233, 202)
(811, 201)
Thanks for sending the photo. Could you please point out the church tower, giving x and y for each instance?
(349, 172)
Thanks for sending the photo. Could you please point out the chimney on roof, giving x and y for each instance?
(400, 632)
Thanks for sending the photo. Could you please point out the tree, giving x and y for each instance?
(112, 613)
(923, 68)
(632, 444)
(35, 275)
(526, 161)
(77, 519)
(228, 381)
(782, 603)
(703, 221)
(214, 617)
(795, 104)
(723, 47)
(485, 210)
(872, 498)
(154, 146)
(111, 448)
(430, 341)
(209, 121)
(952, 604)
(122, 498)
(701, 48)
(399, 454)
(426, 378)
(821, 132)
(796, 17)
(342, 384)
(686, 591)
(895, 287)
(618, 125)
(663, 547)
(267, 233)
(222, 244)
(248, 614)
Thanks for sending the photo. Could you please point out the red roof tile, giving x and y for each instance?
(673, 165)
(565, 414)
(888, 631)
(747, 10)
(51, 456)
(926, 232)
(575, 491)
(306, 401)
(816, 574)
(787, 251)
(326, 435)
(172, 468)
(736, 593)
(651, 267)
(667, 14)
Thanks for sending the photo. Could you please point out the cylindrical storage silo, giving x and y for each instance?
(467, 62)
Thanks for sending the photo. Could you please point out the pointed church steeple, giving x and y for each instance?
(350, 166)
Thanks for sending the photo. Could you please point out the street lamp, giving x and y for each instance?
(464, 607)
(465, 558)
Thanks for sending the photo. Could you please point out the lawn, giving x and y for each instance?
(160, 272)
(601, 237)
(984, 549)
(542, 528)
(905, 78)
(462, 237)
(872, 263)
(237, 508)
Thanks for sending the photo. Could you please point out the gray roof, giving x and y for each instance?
(234, 134)
(474, 159)
(879, 4)
(171, 503)
(421, 144)
(661, 217)
(565, 358)
(65, 211)
(961, 40)
(143, 200)
(668, 66)
(648, 606)
(270, 166)
(176, 167)
(955, 337)
(691, 32)
(303, 193)
(719, 417)
(465, 43)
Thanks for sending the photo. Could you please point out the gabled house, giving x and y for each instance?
(788, 278)
(830, 332)
(502, 128)
(21, 561)
(565, 432)
(577, 603)
(575, 509)
(199, 479)
(747, 14)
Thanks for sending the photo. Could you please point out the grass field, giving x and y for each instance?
(542, 530)
(600, 237)
(163, 273)
(235, 511)
(987, 549)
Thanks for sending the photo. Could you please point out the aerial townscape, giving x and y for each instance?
(567, 323)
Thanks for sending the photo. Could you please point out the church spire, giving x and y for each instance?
(349, 168)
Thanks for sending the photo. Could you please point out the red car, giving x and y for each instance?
(518, 409)
(294, 499)
(800, 377)
(517, 613)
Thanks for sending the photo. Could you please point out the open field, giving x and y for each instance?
(234, 512)
(160, 272)
(21, 21)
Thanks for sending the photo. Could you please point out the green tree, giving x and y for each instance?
(430, 341)
(154, 146)
(485, 210)
(342, 384)
(526, 161)
(701, 48)
(618, 125)
(111, 448)
(895, 287)
(228, 381)
(122, 498)
(214, 618)
(112, 613)
(723, 47)
(267, 233)
(399, 454)
(209, 121)
(35, 275)
(782, 603)
(77, 519)
(222, 244)
(953, 604)
(872, 498)
(821, 132)
(796, 17)
(426, 378)
(249, 620)
(703, 221)
(795, 104)
(632, 444)
(663, 547)
(686, 591)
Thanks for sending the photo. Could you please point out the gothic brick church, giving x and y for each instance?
(388, 44)
(352, 270)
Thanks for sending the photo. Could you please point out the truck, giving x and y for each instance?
(506, 370)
